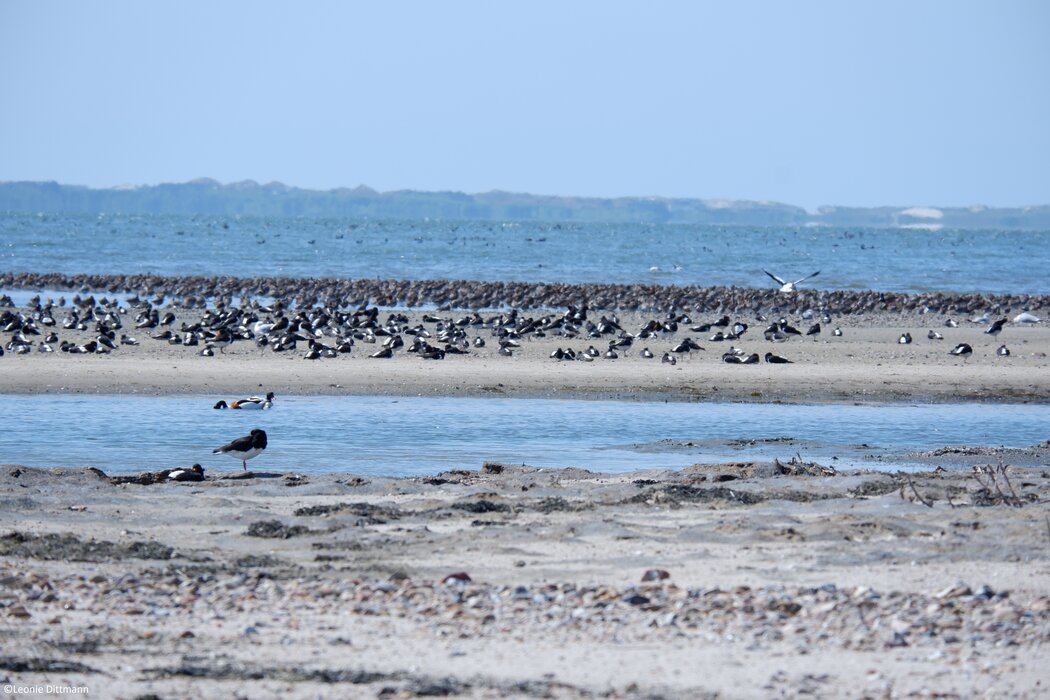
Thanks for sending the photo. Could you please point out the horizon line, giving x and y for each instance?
(362, 186)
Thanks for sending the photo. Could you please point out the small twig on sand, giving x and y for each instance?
(907, 481)
(1013, 493)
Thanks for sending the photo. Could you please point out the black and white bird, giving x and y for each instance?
(1003, 351)
(254, 403)
(245, 448)
(934, 335)
(221, 339)
(194, 473)
(789, 287)
(905, 339)
(962, 350)
(776, 359)
(995, 328)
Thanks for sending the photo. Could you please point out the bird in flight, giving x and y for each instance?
(789, 287)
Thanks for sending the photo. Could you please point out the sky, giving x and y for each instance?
(866, 103)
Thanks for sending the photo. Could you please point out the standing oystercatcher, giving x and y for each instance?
(245, 448)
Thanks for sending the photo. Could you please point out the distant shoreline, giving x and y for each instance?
(207, 196)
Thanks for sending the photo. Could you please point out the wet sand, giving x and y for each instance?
(760, 584)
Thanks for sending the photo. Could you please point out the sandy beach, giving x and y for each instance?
(718, 581)
(866, 363)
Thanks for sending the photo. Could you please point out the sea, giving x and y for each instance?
(891, 260)
(414, 435)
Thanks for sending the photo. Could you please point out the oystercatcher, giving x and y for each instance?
(245, 448)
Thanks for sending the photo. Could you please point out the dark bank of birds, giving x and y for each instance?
(195, 293)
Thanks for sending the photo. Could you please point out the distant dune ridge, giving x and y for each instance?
(207, 196)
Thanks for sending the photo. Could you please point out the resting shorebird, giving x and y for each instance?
(245, 448)
(962, 350)
(789, 287)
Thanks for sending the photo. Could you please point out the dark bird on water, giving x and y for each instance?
(245, 448)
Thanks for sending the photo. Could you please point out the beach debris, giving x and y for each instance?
(275, 529)
(995, 488)
(957, 590)
(69, 547)
(655, 575)
(1027, 318)
(799, 467)
(458, 577)
(908, 489)
(238, 476)
(192, 473)
(677, 494)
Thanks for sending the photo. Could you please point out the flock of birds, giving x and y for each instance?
(325, 332)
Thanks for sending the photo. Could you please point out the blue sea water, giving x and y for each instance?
(424, 435)
(895, 260)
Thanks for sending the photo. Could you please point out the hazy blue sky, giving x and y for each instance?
(863, 103)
